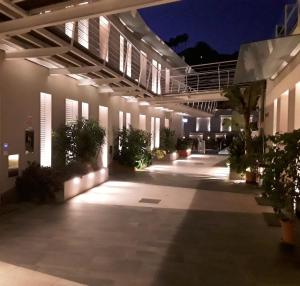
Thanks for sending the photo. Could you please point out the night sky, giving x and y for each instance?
(223, 24)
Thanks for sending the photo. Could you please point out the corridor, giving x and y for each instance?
(173, 224)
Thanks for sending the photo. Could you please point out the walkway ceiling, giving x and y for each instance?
(265, 59)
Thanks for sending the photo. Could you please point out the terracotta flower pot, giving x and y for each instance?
(287, 232)
(251, 178)
(184, 153)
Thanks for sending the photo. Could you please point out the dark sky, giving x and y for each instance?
(224, 24)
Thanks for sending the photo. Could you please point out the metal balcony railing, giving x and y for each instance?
(101, 38)
(204, 78)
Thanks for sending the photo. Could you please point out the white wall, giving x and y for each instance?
(21, 84)
(285, 89)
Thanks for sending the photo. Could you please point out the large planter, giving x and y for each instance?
(184, 153)
(172, 157)
(251, 178)
(79, 185)
(287, 232)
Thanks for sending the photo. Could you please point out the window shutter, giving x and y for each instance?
(45, 129)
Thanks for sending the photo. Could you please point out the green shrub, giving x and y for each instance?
(239, 160)
(38, 183)
(168, 140)
(133, 148)
(78, 142)
(184, 143)
(281, 177)
(159, 154)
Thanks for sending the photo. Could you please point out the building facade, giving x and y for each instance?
(102, 68)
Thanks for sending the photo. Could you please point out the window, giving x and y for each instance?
(275, 105)
(71, 111)
(142, 123)
(167, 87)
(209, 123)
(83, 33)
(152, 132)
(122, 41)
(157, 132)
(198, 121)
(283, 112)
(143, 68)
(45, 129)
(159, 78)
(13, 165)
(103, 122)
(128, 120)
(129, 59)
(167, 123)
(69, 28)
(297, 107)
(225, 123)
(154, 76)
(121, 120)
(104, 37)
(85, 110)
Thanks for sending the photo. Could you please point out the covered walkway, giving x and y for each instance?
(173, 224)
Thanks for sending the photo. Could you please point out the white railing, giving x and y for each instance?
(204, 78)
(103, 39)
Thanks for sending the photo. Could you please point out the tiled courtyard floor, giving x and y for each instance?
(197, 229)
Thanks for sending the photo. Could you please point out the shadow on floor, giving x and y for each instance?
(194, 181)
(223, 248)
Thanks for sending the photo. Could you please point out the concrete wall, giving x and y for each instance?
(282, 104)
(21, 83)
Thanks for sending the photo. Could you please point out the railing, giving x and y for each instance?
(102, 39)
(204, 78)
(289, 22)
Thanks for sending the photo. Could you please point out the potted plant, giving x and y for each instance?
(281, 179)
(183, 147)
(168, 144)
(244, 100)
(246, 164)
(133, 148)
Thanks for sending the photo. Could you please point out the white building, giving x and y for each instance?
(62, 62)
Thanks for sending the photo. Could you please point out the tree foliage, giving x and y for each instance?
(167, 140)
(244, 100)
(79, 142)
(281, 177)
(133, 148)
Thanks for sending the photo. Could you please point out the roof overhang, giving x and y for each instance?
(265, 59)
(135, 23)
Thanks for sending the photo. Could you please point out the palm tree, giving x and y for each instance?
(244, 100)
